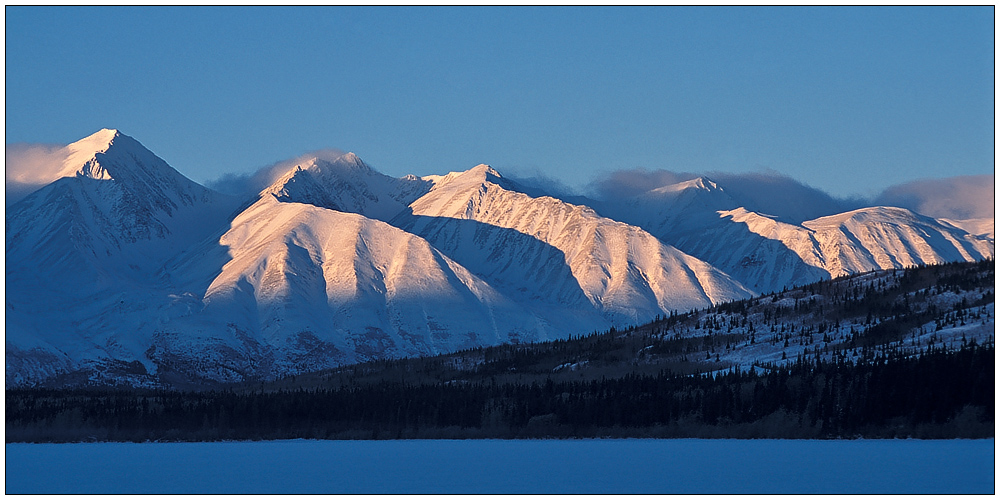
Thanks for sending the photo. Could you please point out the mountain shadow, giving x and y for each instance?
(760, 263)
(521, 266)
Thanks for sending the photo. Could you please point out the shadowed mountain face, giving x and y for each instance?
(121, 270)
(85, 254)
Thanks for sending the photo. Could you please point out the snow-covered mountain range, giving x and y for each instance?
(121, 270)
(766, 253)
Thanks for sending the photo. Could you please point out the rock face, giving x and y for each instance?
(121, 270)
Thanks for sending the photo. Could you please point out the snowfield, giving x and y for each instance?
(612, 466)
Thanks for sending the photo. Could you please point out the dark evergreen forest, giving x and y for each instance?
(936, 395)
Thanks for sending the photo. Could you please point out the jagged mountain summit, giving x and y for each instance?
(121, 270)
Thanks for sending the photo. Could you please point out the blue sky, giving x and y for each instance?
(846, 99)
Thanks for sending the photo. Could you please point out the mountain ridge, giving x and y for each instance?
(125, 271)
(768, 253)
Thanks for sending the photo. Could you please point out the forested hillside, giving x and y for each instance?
(906, 353)
(858, 319)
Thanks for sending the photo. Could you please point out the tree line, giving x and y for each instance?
(938, 394)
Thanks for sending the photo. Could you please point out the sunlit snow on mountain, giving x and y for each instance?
(122, 270)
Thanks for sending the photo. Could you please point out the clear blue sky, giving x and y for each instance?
(846, 99)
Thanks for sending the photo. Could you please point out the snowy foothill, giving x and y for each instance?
(811, 335)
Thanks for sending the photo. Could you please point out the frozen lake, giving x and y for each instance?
(497, 466)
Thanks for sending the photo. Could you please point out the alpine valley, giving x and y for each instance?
(122, 271)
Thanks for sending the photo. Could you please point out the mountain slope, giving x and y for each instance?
(114, 194)
(84, 254)
(304, 287)
(891, 238)
(549, 250)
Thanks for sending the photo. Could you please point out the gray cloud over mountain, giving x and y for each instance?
(963, 197)
(765, 191)
(773, 193)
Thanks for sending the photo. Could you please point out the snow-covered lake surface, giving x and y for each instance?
(497, 466)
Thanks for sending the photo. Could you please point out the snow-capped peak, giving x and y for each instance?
(673, 209)
(135, 198)
(80, 153)
(27, 172)
(345, 183)
(484, 169)
(98, 141)
(346, 161)
(110, 154)
(698, 183)
(354, 161)
(478, 174)
(321, 162)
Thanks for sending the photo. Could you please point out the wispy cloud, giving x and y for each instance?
(777, 194)
(536, 183)
(31, 166)
(632, 182)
